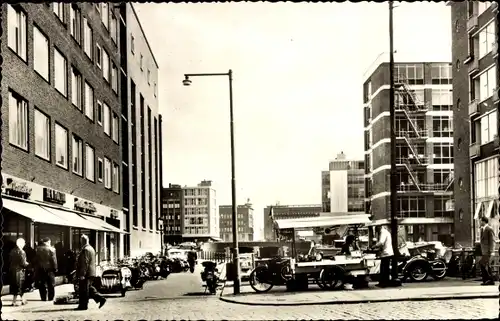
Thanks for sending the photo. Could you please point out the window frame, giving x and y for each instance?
(106, 66)
(76, 75)
(115, 128)
(21, 47)
(88, 44)
(87, 148)
(79, 143)
(100, 169)
(86, 107)
(65, 67)
(100, 112)
(58, 125)
(36, 29)
(115, 184)
(36, 112)
(105, 14)
(60, 15)
(106, 181)
(25, 109)
(98, 55)
(106, 124)
(75, 30)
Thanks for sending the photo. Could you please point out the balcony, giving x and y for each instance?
(473, 66)
(429, 188)
(473, 108)
(472, 23)
(495, 95)
(474, 150)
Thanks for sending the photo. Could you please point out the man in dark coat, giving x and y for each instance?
(45, 269)
(86, 272)
(487, 249)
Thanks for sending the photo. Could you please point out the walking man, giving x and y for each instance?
(384, 244)
(45, 269)
(487, 248)
(85, 272)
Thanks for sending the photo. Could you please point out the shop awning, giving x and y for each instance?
(478, 210)
(34, 212)
(487, 214)
(105, 225)
(76, 219)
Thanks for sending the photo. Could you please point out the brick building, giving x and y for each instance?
(475, 96)
(61, 159)
(173, 214)
(245, 222)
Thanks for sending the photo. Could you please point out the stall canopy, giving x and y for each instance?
(104, 225)
(301, 223)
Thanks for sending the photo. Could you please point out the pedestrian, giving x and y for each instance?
(45, 269)
(384, 245)
(487, 249)
(86, 272)
(17, 270)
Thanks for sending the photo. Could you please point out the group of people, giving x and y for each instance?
(45, 266)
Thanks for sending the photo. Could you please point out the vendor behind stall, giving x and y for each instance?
(349, 245)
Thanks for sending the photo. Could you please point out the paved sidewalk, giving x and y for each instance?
(33, 299)
(452, 290)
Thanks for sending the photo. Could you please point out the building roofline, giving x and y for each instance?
(296, 206)
(144, 34)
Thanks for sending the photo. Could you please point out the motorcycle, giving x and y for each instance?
(419, 267)
(276, 271)
(210, 276)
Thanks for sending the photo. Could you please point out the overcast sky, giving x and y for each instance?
(298, 75)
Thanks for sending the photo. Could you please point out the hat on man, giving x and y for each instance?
(46, 239)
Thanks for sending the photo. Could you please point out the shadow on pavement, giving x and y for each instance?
(196, 294)
(57, 310)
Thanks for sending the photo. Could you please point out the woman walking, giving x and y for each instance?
(17, 270)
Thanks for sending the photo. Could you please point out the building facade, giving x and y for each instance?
(286, 212)
(343, 186)
(61, 157)
(200, 219)
(424, 147)
(172, 214)
(140, 121)
(475, 96)
(245, 222)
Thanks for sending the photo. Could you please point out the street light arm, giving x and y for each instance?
(202, 75)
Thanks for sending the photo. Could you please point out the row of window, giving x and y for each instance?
(196, 230)
(141, 63)
(195, 192)
(482, 87)
(484, 129)
(19, 137)
(486, 178)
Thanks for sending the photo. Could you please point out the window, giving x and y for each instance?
(116, 175)
(59, 10)
(42, 135)
(98, 55)
(443, 153)
(411, 206)
(106, 120)
(18, 121)
(114, 78)
(89, 101)
(486, 178)
(413, 74)
(75, 20)
(141, 63)
(486, 83)
(442, 126)
(77, 151)
(61, 146)
(105, 65)
(100, 170)
(99, 112)
(443, 176)
(442, 99)
(113, 28)
(482, 6)
(89, 162)
(132, 44)
(488, 127)
(17, 31)
(76, 88)
(486, 39)
(441, 74)
(107, 173)
(88, 41)
(105, 15)
(60, 73)
(41, 53)
(115, 127)
(155, 89)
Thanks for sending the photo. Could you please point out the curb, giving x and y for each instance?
(361, 301)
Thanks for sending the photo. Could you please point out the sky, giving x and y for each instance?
(298, 75)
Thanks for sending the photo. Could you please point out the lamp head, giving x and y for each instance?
(187, 81)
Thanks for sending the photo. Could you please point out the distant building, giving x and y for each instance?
(286, 212)
(172, 214)
(343, 187)
(245, 222)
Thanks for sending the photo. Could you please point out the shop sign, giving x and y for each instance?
(84, 206)
(53, 196)
(17, 189)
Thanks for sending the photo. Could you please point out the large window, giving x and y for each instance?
(41, 53)
(113, 28)
(105, 15)
(411, 206)
(89, 162)
(89, 101)
(75, 20)
(116, 180)
(412, 73)
(488, 127)
(442, 126)
(105, 65)
(115, 127)
(88, 41)
(76, 88)
(440, 207)
(17, 30)
(486, 39)
(100, 169)
(77, 152)
(487, 83)
(441, 74)
(107, 173)
(61, 146)
(106, 120)
(486, 179)
(443, 153)
(442, 176)
(60, 73)
(18, 121)
(42, 135)
(442, 99)
(114, 78)
(59, 10)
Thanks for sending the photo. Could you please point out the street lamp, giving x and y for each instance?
(236, 263)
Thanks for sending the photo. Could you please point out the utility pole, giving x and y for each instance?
(392, 117)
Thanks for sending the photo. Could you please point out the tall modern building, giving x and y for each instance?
(173, 214)
(140, 131)
(343, 186)
(475, 97)
(286, 212)
(424, 147)
(245, 222)
(200, 219)
(61, 142)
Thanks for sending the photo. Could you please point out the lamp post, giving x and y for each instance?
(236, 263)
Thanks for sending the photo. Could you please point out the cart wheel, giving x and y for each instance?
(332, 277)
(319, 282)
(260, 281)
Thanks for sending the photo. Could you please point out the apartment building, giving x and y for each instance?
(200, 219)
(475, 97)
(424, 147)
(141, 128)
(245, 222)
(173, 214)
(343, 186)
(61, 159)
(286, 212)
